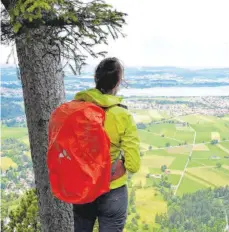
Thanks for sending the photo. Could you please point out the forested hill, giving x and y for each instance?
(203, 211)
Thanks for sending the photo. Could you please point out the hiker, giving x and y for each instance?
(111, 207)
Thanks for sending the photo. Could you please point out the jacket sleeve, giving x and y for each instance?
(130, 145)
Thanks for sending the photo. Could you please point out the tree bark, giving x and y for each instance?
(43, 90)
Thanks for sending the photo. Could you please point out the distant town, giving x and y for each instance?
(213, 106)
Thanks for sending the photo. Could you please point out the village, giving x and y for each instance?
(211, 106)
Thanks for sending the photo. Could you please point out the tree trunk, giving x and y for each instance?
(43, 90)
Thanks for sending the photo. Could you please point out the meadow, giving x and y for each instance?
(191, 164)
(198, 165)
(6, 163)
(14, 133)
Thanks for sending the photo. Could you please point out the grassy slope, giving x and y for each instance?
(147, 202)
(201, 170)
(7, 162)
(14, 132)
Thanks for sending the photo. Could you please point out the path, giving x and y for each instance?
(186, 165)
(226, 219)
(227, 225)
(163, 148)
(223, 148)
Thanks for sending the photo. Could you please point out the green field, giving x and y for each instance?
(225, 144)
(148, 115)
(156, 140)
(25, 140)
(169, 143)
(155, 170)
(201, 172)
(157, 152)
(211, 175)
(181, 134)
(179, 163)
(14, 132)
(201, 155)
(7, 162)
(148, 205)
(174, 179)
(188, 186)
(215, 150)
(206, 125)
(203, 162)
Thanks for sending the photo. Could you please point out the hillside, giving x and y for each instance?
(203, 211)
(184, 149)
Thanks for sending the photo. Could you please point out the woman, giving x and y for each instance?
(110, 208)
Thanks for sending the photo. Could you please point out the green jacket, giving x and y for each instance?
(121, 129)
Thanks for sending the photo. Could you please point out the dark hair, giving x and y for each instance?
(108, 74)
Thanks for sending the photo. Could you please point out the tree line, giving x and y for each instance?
(202, 211)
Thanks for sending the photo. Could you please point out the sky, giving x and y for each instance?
(182, 33)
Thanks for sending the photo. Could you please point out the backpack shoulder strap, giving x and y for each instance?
(123, 106)
(119, 105)
(106, 108)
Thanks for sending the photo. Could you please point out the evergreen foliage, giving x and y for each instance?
(25, 217)
(72, 26)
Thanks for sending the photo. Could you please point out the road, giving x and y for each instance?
(186, 165)
(163, 148)
(227, 223)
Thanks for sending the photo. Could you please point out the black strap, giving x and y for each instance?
(123, 106)
(119, 105)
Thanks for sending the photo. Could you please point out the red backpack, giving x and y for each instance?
(78, 156)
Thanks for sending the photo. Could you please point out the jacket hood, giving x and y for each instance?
(96, 97)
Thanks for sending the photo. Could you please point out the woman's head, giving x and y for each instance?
(108, 75)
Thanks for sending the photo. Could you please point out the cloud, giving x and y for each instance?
(189, 33)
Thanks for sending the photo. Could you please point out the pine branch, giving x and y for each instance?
(73, 26)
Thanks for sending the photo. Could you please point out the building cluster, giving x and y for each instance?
(211, 106)
(24, 181)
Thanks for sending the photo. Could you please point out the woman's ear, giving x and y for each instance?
(119, 82)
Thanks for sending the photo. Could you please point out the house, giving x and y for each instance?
(6, 220)
(156, 176)
(3, 173)
(214, 157)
